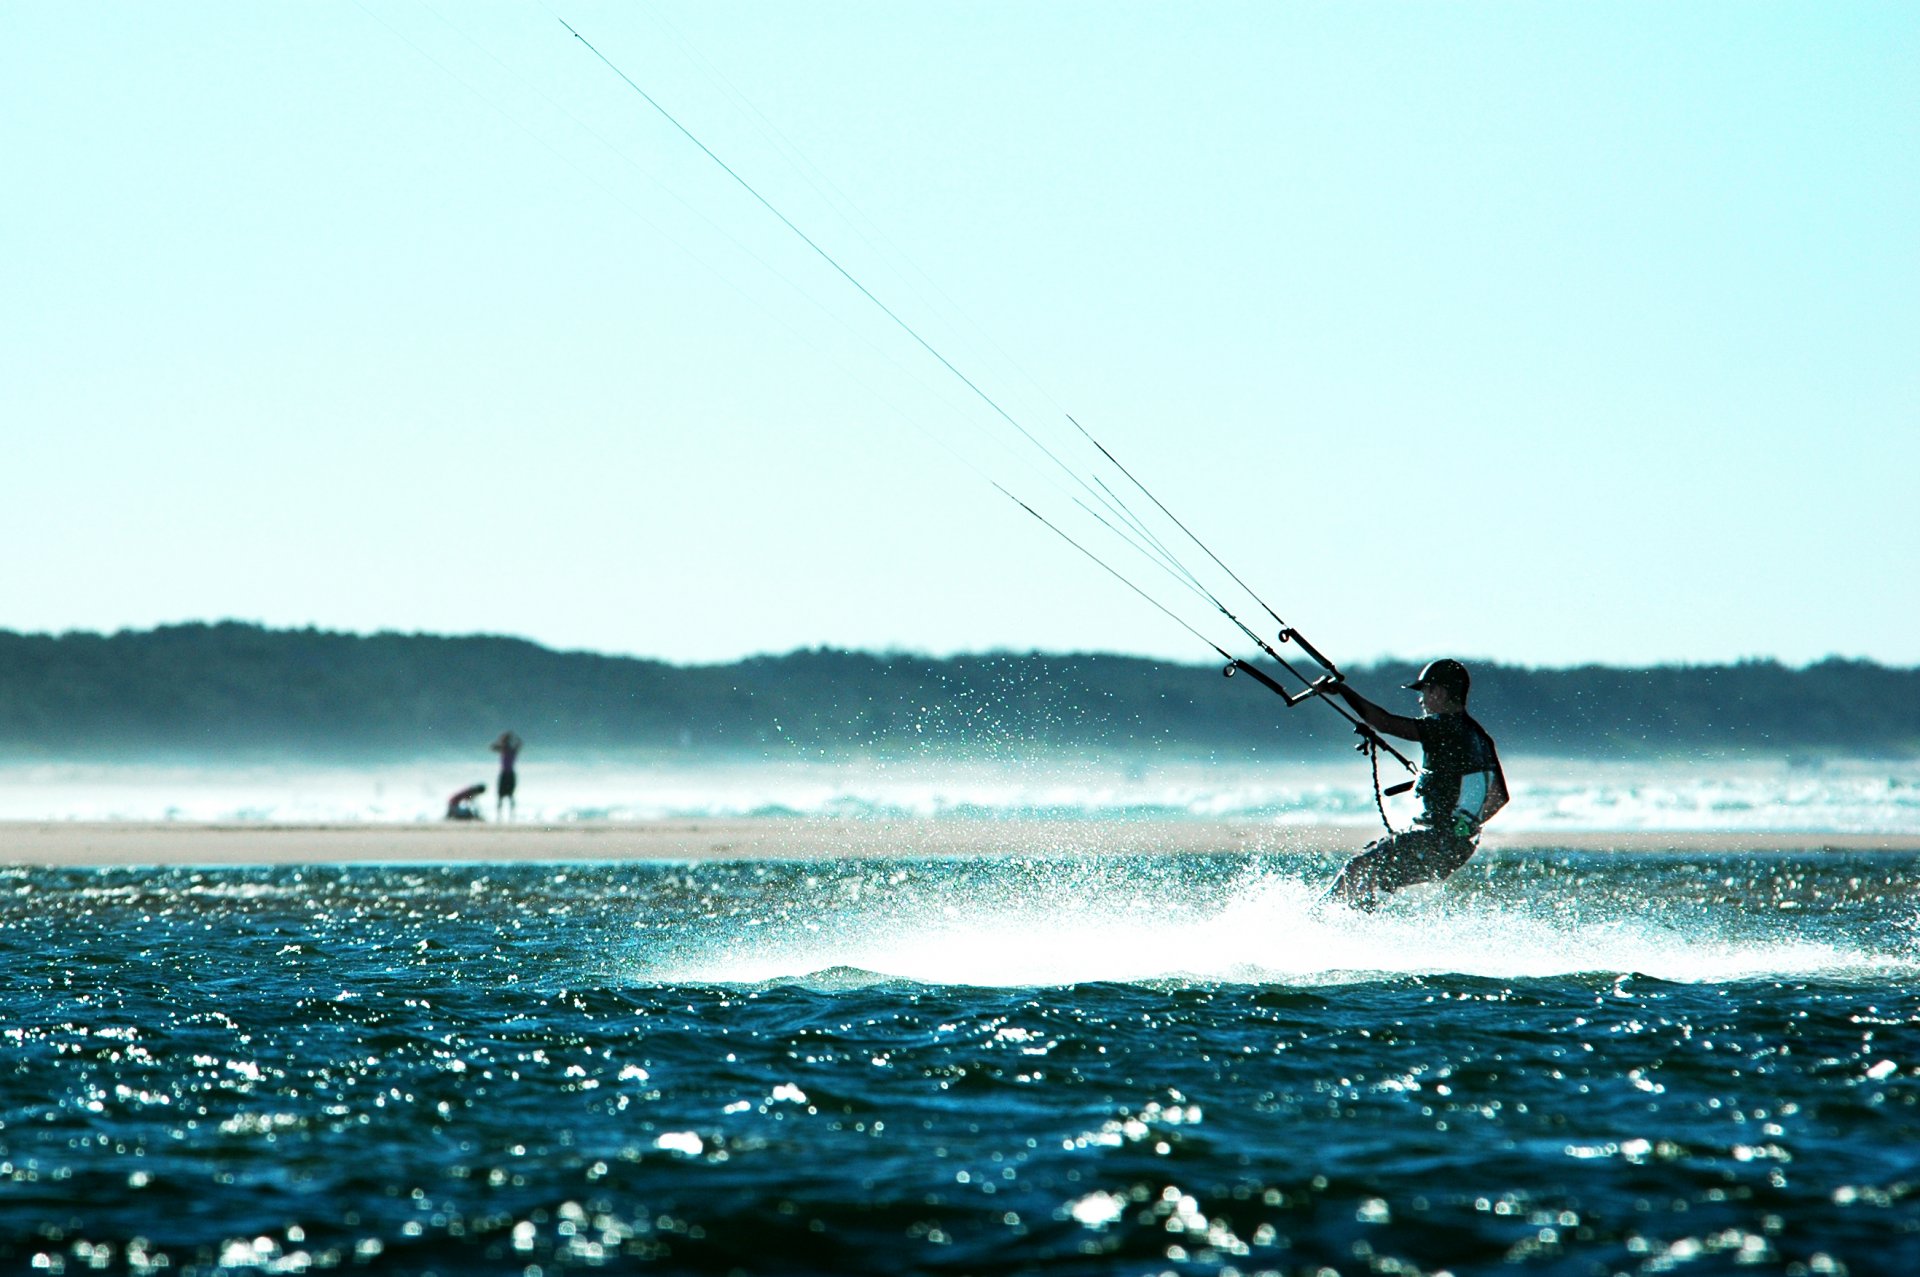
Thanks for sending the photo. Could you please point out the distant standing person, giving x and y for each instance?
(1461, 787)
(508, 747)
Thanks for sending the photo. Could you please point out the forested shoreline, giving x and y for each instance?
(237, 690)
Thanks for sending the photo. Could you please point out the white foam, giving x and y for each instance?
(1275, 931)
(1427, 930)
(1549, 795)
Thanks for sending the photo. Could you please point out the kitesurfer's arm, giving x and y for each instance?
(1496, 792)
(1379, 719)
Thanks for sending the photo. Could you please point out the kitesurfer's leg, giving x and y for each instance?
(1357, 885)
(1443, 854)
(1418, 855)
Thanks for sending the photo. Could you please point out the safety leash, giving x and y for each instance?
(1372, 746)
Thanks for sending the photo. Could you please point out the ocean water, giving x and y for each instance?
(1557, 1063)
(1549, 794)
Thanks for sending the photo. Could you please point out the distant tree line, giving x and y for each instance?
(235, 690)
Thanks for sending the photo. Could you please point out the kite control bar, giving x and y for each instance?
(1291, 635)
(1370, 740)
(1318, 687)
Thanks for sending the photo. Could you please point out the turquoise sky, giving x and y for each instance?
(1549, 333)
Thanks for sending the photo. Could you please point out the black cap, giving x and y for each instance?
(1447, 673)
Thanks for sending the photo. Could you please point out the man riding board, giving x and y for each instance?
(1461, 787)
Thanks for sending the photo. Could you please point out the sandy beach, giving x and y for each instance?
(246, 843)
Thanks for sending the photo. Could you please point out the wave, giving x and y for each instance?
(1549, 795)
(1178, 921)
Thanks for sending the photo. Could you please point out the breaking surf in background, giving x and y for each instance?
(1550, 794)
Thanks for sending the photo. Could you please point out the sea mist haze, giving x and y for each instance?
(1550, 794)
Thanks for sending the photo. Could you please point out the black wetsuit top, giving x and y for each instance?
(1453, 748)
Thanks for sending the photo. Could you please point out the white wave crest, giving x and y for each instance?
(1550, 795)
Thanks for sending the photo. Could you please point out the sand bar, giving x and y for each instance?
(247, 843)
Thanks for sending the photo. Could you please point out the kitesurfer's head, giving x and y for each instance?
(1442, 686)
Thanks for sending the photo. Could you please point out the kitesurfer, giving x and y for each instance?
(1461, 787)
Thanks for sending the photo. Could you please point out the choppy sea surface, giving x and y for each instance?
(1557, 1063)
(1549, 794)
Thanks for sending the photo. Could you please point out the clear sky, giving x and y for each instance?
(1549, 333)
